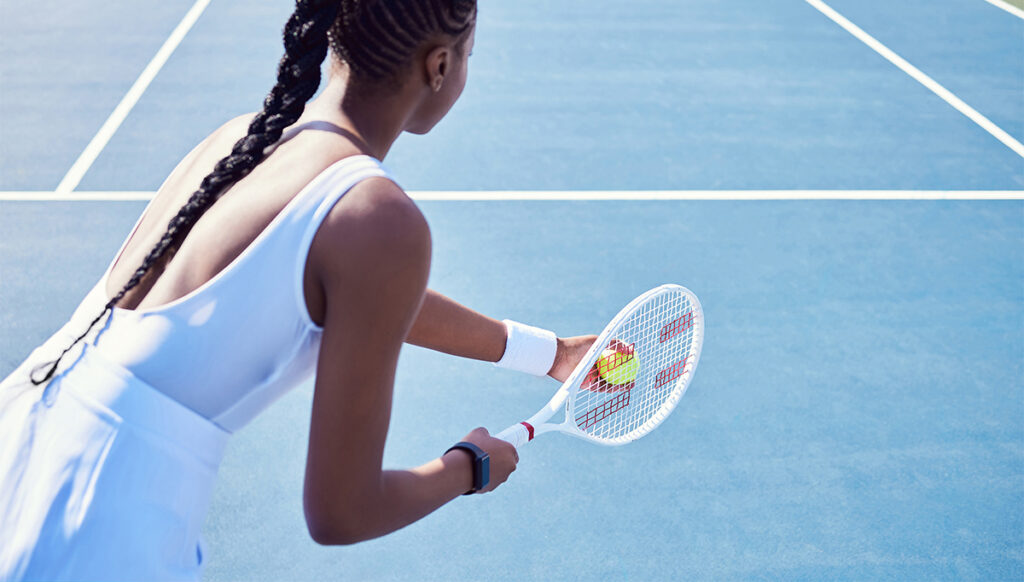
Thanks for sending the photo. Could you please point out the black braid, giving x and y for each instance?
(375, 37)
(298, 78)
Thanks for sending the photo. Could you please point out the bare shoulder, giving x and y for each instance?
(376, 211)
(188, 174)
(200, 161)
(239, 124)
(224, 137)
(374, 231)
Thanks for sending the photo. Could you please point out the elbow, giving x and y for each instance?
(334, 535)
(342, 515)
(333, 529)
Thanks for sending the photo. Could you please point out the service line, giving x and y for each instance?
(588, 195)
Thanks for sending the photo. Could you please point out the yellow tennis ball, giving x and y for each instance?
(617, 367)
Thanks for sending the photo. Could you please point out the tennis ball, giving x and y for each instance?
(618, 366)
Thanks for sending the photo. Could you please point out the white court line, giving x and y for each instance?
(1007, 7)
(110, 126)
(585, 195)
(40, 196)
(920, 77)
(712, 195)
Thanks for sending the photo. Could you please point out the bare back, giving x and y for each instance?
(235, 220)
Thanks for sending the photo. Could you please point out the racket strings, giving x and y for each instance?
(664, 335)
(618, 359)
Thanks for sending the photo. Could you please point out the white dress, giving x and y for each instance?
(106, 474)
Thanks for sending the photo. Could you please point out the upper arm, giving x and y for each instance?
(371, 259)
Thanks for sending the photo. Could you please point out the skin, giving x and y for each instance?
(365, 284)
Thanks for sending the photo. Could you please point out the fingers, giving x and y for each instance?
(621, 347)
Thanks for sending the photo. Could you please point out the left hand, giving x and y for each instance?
(569, 353)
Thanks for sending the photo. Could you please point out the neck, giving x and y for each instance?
(376, 117)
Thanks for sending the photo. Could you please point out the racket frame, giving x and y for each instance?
(565, 398)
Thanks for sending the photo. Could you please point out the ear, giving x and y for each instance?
(437, 65)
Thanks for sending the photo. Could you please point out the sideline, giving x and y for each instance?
(945, 94)
(117, 117)
(1007, 7)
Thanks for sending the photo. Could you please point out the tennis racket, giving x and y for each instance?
(632, 377)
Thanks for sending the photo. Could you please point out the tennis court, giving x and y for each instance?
(852, 222)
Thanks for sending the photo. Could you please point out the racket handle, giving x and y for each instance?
(517, 434)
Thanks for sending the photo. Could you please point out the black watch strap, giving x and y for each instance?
(481, 465)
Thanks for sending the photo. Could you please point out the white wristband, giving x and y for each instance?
(528, 349)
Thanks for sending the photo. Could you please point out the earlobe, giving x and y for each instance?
(439, 80)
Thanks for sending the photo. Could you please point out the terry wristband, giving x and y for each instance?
(481, 465)
(528, 349)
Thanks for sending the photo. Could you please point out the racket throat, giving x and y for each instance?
(530, 431)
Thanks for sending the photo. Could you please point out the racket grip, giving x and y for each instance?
(517, 434)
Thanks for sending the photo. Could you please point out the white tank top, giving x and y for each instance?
(228, 349)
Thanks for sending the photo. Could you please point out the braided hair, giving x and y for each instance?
(375, 38)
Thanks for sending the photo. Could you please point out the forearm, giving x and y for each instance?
(403, 497)
(447, 326)
(414, 493)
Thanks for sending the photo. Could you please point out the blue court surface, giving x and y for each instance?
(856, 237)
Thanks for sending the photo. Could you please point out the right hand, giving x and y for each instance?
(504, 456)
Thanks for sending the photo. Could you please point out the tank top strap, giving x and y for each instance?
(318, 198)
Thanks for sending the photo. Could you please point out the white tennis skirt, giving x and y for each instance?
(102, 477)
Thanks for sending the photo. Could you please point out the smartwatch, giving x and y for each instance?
(481, 465)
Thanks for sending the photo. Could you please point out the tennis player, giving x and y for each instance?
(279, 248)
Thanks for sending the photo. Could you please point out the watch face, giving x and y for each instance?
(485, 472)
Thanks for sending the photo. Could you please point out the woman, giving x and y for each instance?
(310, 259)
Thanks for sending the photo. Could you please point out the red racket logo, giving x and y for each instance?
(676, 327)
(671, 373)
